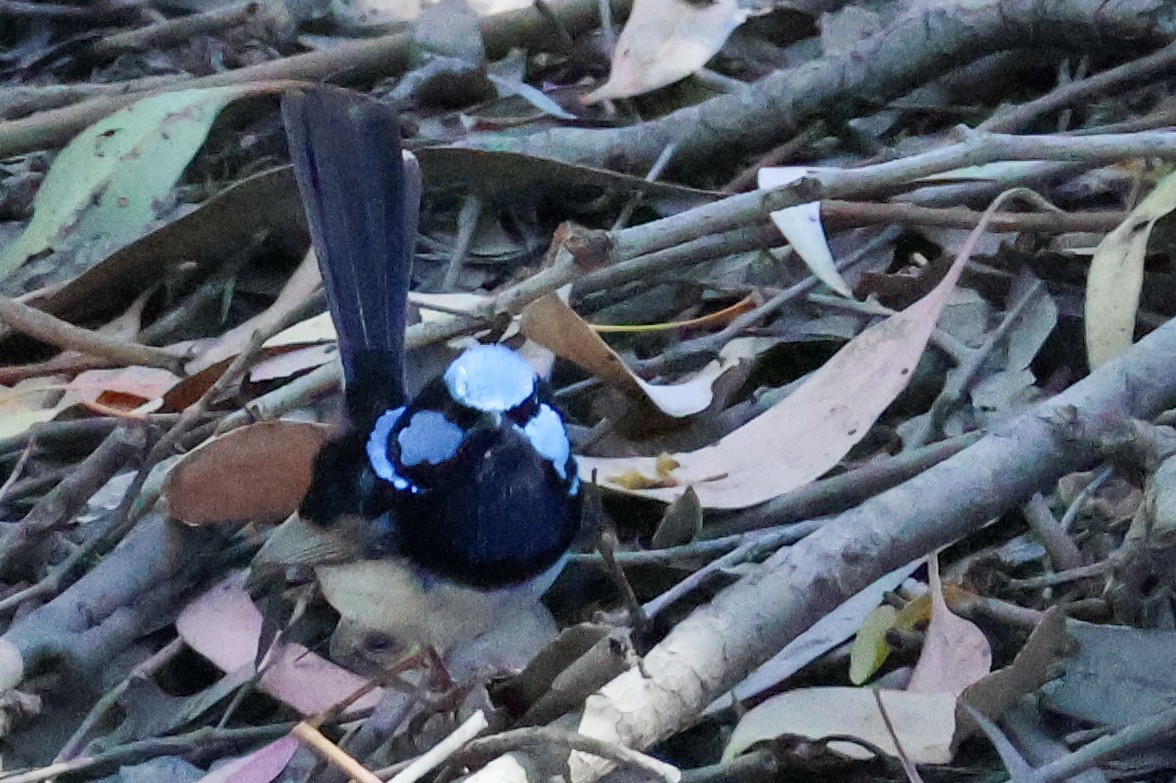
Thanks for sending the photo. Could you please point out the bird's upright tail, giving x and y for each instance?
(361, 197)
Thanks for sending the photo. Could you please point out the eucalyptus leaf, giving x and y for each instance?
(108, 184)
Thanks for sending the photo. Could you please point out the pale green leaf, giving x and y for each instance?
(108, 183)
(870, 648)
(1116, 275)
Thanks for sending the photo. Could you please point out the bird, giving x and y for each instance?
(429, 519)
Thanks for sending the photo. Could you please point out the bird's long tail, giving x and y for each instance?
(361, 198)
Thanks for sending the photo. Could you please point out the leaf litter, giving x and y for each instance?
(729, 382)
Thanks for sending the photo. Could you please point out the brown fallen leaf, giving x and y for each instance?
(1035, 665)
(139, 389)
(550, 322)
(257, 472)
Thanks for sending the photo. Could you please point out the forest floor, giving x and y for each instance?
(857, 314)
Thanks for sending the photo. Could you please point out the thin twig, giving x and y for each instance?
(976, 148)
(332, 753)
(1130, 75)
(1140, 734)
(17, 470)
(111, 698)
(467, 224)
(1101, 477)
(100, 12)
(203, 740)
(54, 331)
(60, 505)
(386, 55)
(655, 171)
(178, 30)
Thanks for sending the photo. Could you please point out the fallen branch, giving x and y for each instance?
(917, 47)
(134, 590)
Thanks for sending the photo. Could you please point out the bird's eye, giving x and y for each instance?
(378, 642)
(524, 411)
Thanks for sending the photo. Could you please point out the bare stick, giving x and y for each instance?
(54, 331)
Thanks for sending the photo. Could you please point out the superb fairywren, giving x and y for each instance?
(469, 490)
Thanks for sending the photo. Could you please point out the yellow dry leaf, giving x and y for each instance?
(915, 613)
(635, 480)
(666, 464)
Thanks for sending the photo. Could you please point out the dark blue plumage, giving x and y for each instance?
(481, 455)
(472, 480)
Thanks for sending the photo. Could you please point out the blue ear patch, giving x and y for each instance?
(490, 378)
(546, 432)
(377, 450)
(428, 437)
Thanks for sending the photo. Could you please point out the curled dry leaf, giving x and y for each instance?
(1035, 665)
(801, 226)
(131, 389)
(553, 324)
(257, 472)
(923, 722)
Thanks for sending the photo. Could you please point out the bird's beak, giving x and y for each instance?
(490, 420)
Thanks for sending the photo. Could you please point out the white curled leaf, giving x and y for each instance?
(801, 226)
(664, 41)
